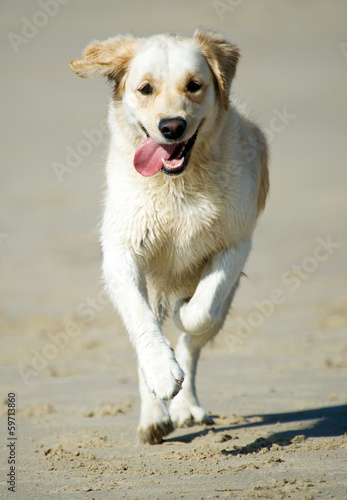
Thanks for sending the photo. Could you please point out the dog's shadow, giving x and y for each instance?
(320, 422)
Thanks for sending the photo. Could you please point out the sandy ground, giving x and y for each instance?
(275, 379)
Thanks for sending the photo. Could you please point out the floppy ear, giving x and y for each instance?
(222, 58)
(109, 58)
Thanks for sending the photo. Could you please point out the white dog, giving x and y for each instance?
(187, 177)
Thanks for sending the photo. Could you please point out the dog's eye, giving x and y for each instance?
(193, 86)
(146, 89)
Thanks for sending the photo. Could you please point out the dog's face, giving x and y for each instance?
(168, 86)
(169, 92)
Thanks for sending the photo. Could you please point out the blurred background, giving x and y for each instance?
(63, 350)
(293, 76)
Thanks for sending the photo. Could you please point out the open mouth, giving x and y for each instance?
(178, 160)
(172, 158)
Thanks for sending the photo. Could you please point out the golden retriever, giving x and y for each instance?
(187, 177)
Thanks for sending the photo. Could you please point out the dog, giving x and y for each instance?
(187, 177)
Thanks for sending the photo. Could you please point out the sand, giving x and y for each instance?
(275, 378)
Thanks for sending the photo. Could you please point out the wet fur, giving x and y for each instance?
(176, 240)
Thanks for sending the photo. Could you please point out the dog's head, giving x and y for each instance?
(168, 87)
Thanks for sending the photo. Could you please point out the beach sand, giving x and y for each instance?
(275, 378)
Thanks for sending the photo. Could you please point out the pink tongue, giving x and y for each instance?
(148, 156)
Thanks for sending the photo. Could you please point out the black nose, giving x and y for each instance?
(172, 128)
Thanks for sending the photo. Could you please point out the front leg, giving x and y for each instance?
(202, 317)
(155, 421)
(127, 289)
(205, 312)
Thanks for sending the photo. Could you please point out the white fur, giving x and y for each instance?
(183, 239)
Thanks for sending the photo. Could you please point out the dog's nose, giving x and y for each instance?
(172, 128)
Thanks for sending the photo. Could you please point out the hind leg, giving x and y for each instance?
(185, 408)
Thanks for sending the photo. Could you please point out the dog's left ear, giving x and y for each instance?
(110, 58)
(222, 58)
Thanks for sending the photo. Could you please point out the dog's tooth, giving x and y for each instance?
(167, 165)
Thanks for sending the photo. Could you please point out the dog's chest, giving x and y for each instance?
(176, 234)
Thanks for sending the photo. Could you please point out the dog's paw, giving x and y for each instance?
(179, 315)
(163, 375)
(191, 318)
(155, 421)
(165, 379)
(185, 414)
(155, 431)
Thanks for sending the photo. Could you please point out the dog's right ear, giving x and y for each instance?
(110, 58)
